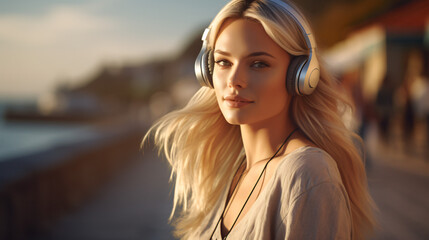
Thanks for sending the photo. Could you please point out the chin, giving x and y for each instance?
(234, 118)
(233, 121)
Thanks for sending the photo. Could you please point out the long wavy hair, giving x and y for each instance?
(204, 150)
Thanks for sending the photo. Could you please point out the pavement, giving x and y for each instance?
(133, 205)
(398, 178)
(402, 201)
(137, 202)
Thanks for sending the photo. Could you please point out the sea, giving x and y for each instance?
(24, 138)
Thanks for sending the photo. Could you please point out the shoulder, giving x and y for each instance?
(310, 187)
(306, 168)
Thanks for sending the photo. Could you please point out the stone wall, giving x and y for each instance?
(62, 180)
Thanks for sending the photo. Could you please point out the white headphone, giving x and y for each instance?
(303, 72)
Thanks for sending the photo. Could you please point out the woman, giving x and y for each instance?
(260, 152)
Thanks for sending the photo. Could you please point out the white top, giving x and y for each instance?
(304, 199)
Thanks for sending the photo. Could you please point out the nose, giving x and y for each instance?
(237, 78)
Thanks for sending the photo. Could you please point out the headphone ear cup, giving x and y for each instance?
(210, 68)
(292, 77)
(203, 70)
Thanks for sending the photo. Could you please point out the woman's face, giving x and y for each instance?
(249, 73)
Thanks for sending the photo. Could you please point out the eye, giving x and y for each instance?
(223, 63)
(259, 64)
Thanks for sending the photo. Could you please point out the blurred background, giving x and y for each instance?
(81, 82)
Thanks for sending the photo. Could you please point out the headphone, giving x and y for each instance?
(303, 72)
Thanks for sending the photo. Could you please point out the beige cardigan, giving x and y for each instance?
(304, 199)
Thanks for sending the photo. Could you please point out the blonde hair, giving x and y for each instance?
(204, 150)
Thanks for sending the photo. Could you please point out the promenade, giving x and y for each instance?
(136, 203)
(133, 205)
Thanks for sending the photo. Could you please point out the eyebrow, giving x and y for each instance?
(254, 54)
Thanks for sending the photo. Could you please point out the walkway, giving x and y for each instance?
(134, 205)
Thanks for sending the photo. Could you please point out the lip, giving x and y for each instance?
(236, 101)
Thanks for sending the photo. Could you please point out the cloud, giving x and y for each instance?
(70, 42)
(57, 25)
(66, 42)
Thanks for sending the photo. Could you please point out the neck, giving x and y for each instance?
(261, 140)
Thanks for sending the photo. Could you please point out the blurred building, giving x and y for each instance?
(380, 62)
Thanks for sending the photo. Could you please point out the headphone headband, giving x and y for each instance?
(303, 26)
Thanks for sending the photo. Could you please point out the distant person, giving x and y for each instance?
(384, 107)
(408, 116)
(421, 103)
(259, 152)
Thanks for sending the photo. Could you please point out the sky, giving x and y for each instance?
(47, 43)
